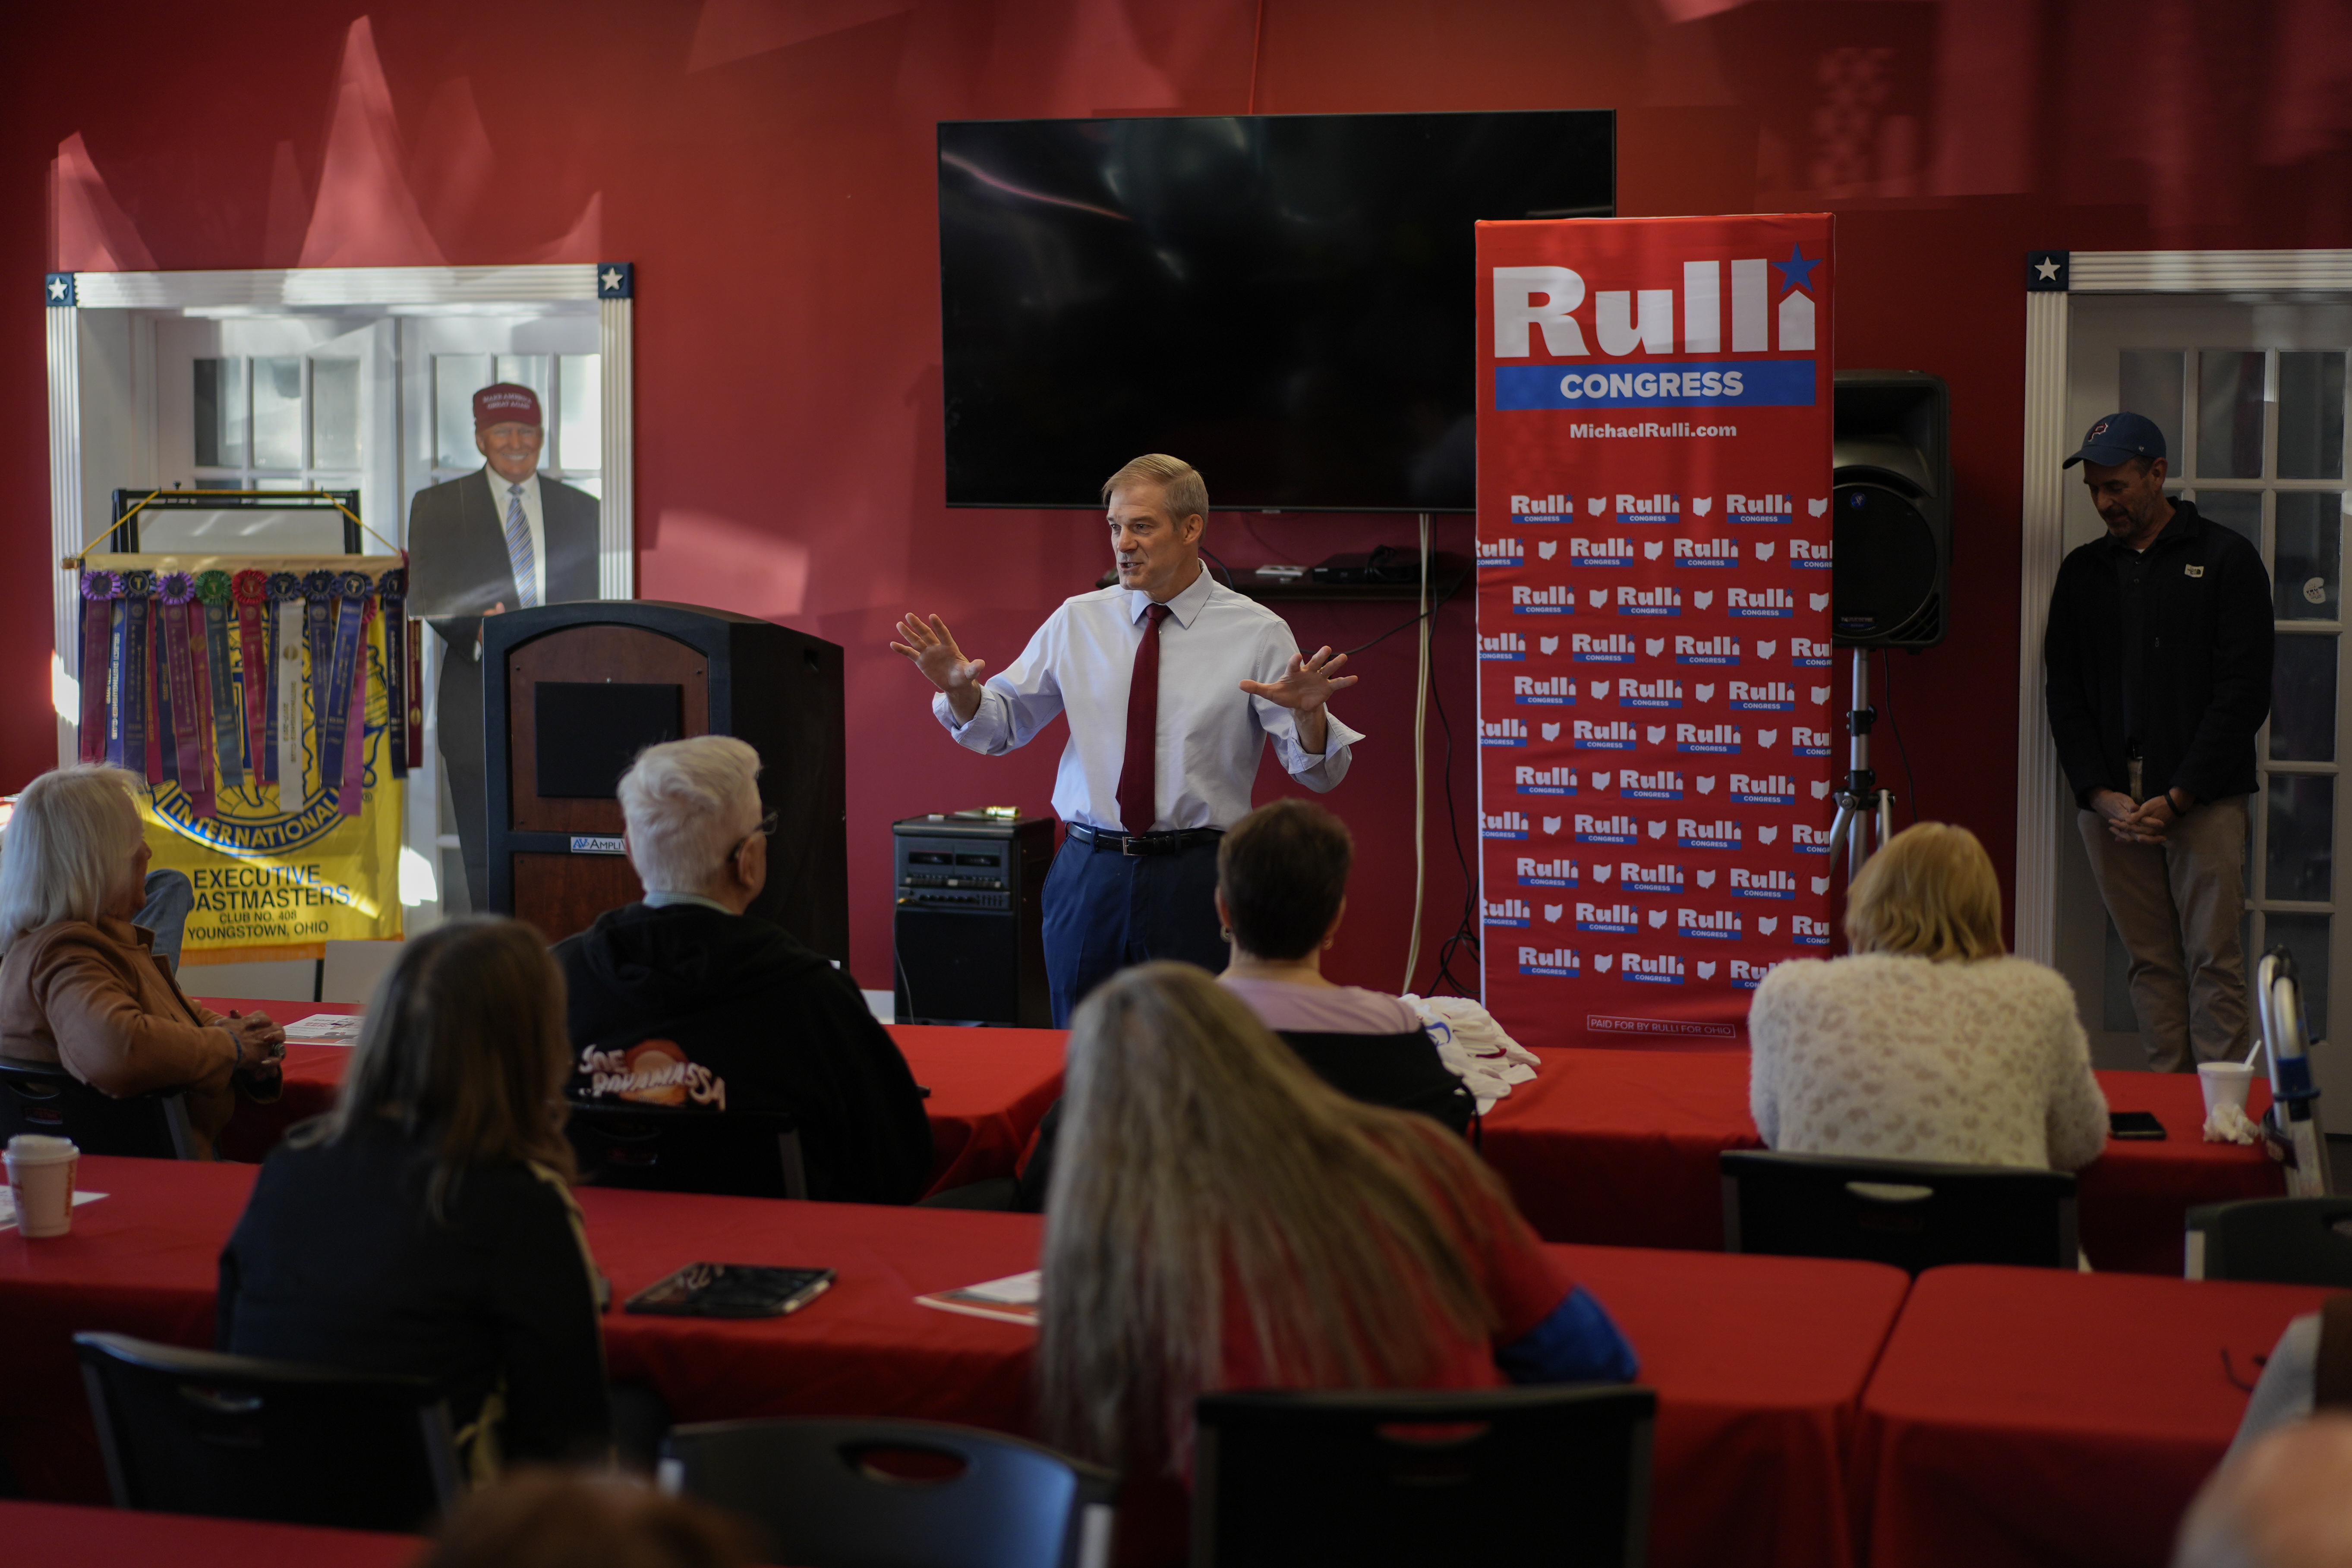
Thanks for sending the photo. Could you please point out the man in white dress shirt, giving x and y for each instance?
(1172, 684)
(504, 537)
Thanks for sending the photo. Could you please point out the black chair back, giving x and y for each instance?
(1553, 1474)
(665, 1148)
(43, 1097)
(1913, 1214)
(2279, 1240)
(192, 1431)
(1402, 1071)
(897, 1494)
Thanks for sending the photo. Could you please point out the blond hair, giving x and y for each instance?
(686, 802)
(465, 1051)
(66, 849)
(1181, 488)
(1930, 891)
(1197, 1153)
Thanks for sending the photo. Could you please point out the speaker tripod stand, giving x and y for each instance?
(1862, 804)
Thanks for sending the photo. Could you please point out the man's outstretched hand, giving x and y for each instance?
(932, 649)
(1304, 689)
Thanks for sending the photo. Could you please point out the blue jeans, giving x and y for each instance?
(1104, 911)
(170, 899)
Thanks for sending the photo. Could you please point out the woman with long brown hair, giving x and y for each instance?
(1221, 1217)
(426, 1225)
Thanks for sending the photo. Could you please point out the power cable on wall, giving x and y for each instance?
(1886, 685)
(1419, 768)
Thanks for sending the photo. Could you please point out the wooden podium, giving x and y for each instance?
(571, 693)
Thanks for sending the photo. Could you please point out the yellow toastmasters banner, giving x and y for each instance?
(270, 705)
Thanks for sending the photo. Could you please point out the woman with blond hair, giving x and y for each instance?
(80, 983)
(1221, 1217)
(1928, 1042)
(426, 1225)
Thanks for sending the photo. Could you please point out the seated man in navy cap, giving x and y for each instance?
(2159, 664)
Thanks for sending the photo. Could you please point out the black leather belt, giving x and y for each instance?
(1144, 844)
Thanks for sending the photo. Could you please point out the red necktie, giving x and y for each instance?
(1139, 798)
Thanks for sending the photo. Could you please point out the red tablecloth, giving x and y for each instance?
(56, 1534)
(988, 1087)
(2035, 1416)
(1759, 1362)
(1622, 1146)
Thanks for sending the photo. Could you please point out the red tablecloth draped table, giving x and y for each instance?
(2035, 1416)
(1759, 1362)
(58, 1533)
(1622, 1146)
(988, 1087)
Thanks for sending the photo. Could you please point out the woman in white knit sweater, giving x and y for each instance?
(1929, 1042)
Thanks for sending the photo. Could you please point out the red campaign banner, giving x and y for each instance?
(1654, 421)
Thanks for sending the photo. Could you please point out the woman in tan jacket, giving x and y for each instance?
(79, 984)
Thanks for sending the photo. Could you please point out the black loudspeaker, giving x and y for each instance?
(970, 932)
(1891, 569)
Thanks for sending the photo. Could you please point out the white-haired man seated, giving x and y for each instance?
(684, 1000)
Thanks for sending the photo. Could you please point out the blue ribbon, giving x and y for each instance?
(351, 615)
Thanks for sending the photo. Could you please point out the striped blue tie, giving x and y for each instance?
(518, 555)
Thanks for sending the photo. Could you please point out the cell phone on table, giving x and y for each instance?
(731, 1290)
(2135, 1124)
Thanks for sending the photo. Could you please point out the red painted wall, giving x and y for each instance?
(767, 164)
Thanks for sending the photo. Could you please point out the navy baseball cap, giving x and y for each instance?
(2117, 440)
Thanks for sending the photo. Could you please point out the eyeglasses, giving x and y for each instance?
(767, 829)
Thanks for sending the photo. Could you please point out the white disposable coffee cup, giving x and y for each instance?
(2225, 1083)
(41, 1179)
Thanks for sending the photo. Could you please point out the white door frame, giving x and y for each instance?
(612, 284)
(2051, 278)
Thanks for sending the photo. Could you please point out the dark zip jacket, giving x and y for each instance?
(714, 1010)
(2204, 679)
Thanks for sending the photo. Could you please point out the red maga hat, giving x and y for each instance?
(506, 403)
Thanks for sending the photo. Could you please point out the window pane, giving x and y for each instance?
(277, 413)
(334, 413)
(456, 378)
(2299, 859)
(591, 483)
(220, 414)
(2310, 528)
(2149, 382)
(2238, 509)
(528, 370)
(2303, 700)
(2229, 415)
(582, 444)
(2304, 937)
(2311, 416)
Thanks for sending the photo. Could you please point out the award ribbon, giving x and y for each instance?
(101, 619)
(283, 626)
(350, 615)
(286, 607)
(251, 589)
(348, 799)
(177, 591)
(318, 588)
(391, 589)
(220, 682)
(141, 750)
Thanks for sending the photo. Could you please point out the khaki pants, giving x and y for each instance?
(2177, 905)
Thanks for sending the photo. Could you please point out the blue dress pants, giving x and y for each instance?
(1104, 911)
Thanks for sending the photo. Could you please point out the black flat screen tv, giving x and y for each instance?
(1285, 301)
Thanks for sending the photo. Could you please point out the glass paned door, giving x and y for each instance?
(2252, 399)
